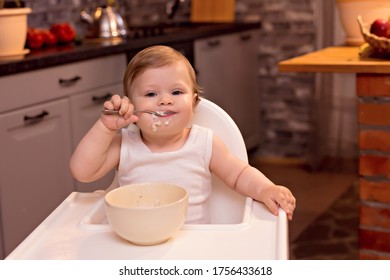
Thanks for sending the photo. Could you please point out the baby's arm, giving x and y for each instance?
(99, 150)
(249, 181)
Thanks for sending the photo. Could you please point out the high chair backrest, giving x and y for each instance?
(210, 115)
(226, 205)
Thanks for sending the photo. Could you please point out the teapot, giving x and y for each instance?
(105, 23)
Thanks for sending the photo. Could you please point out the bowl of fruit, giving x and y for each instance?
(348, 10)
(376, 35)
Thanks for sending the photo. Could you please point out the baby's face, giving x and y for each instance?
(165, 89)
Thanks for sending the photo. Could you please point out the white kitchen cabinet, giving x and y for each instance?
(35, 150)
(33, 87)
(43, 115)
(85, 110)
(227, 69)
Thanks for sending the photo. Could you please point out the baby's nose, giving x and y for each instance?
(166, 99)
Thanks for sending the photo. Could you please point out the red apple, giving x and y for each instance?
(381, 28)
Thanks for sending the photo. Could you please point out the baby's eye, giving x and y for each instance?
(177, 92)
(150, 94)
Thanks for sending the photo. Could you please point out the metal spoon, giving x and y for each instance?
(116, 112)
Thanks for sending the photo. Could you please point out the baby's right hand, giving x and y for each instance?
(125, 117)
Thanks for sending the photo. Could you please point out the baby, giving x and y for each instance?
(166, 147)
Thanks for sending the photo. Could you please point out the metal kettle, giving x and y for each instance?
(105, 23)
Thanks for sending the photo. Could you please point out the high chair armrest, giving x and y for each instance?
(282, 232)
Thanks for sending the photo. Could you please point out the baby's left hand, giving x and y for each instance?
(276, 196)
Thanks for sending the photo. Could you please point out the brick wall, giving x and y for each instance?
(285, 98)
(374, 165)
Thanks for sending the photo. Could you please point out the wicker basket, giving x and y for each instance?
(379, 45)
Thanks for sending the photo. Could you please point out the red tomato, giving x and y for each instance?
(63, 32)
(49, 39)
(34, 38)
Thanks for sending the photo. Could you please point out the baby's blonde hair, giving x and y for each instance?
(154, 57)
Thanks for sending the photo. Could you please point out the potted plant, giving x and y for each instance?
(13, 28)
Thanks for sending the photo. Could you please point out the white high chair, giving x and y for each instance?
(240, 227)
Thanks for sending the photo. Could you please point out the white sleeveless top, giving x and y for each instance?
(187, 167)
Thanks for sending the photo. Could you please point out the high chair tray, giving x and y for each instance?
(77, 230)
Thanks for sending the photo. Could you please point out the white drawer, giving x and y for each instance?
(33, 87)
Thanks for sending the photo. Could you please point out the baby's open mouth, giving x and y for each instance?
(165, 113)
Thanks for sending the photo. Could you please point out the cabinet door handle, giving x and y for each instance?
(213, 43)
(36, 118)
(101, 99)
(69, 82)
(245, 37)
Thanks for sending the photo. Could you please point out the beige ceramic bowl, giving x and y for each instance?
(369, 10)
(147, 214)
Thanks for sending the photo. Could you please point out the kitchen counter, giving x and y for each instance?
(38, 59)
(338, 59)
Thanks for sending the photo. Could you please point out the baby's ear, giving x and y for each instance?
(196, 99)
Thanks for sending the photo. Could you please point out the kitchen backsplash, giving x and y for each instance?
(288, 30)
(46, 12)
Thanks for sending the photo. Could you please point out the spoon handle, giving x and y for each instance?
(110, 112)
(116, 112)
